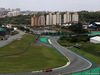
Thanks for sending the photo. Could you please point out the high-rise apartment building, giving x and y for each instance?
(10, 14)
(67, 17)
(47, 20)
(75, 17)
(13, 13)
(42, 20)
(37, 21)
(16, 13)
(34, 21)
(58, 18)
(54, 19)
(50, 19)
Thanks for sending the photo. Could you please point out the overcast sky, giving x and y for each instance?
(52, 5)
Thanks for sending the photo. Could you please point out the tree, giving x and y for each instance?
(77, 28)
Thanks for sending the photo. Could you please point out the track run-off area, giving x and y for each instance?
(76, 63)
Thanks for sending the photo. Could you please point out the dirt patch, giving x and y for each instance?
(12, 47)
(39, 43)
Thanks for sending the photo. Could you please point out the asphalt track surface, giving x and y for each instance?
(77, 63)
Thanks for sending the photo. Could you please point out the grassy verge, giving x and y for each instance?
(35, 58)
(91, 56)
(94, 48)
(92, 51)
(65, 42)
(17, 45)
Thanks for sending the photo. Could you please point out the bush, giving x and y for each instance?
(63, 38)
(99, 52)
(14, 33)
(75, 39)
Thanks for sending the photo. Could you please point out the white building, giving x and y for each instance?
(75, 17)
(47, 19)
(10, 14)
(50, 19)
(67, 17)
(16, 13)
(54, 19)
(95, 39)
(58, 18)
(13, 13)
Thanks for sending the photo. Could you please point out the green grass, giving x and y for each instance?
(94, 48)
(17, 45)
(65, 42)
(92, 72)
(35, 58)
(91, 56)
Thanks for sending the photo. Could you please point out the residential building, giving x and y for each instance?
(58, 18)
(10, 14)
(16, 13)
(47, 19)
(50, 19)
(13, 13)
(75, 17)
(42, 20)
(54, 19)
(67, 17)
(35, 21)
(32, 21)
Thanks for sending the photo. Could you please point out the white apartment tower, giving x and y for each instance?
(58, 18)
(50, 19)
(16, 13)
(75, 17)
(13, 13)
(54, 19)
(67, 17)
(47, 19)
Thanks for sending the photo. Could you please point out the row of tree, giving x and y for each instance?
(89, 17)
(84, 17)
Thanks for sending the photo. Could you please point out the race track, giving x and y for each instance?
(77, 63)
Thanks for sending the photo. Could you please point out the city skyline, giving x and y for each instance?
(52, 5)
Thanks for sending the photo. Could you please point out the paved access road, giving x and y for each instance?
(10, 39)
(77, 63)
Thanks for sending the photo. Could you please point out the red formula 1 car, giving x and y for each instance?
(48, 70)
